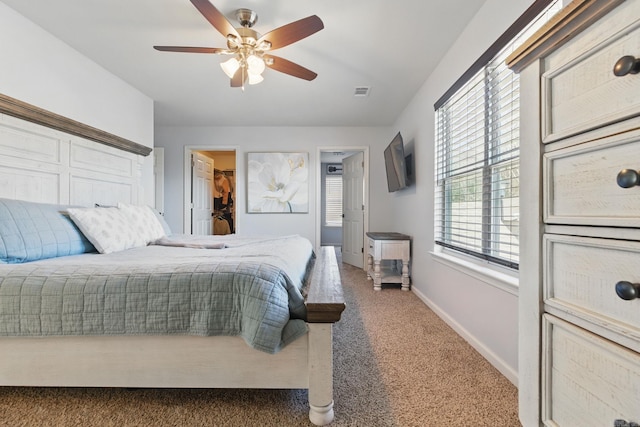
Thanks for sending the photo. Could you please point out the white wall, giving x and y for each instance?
(486, 315)
(39, 69)
(267, 139)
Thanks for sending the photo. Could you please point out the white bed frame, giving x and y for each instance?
(51, 159)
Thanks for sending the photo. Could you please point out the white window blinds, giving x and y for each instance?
(333, 200)
(477, 162)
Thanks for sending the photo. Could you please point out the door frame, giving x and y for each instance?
(188, 149)
(158, 179)
(365, 196)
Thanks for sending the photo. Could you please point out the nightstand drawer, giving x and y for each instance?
(389, 249)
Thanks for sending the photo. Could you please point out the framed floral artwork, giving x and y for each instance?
(278, 183)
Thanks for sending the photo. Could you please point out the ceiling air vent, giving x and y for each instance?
(362, 91)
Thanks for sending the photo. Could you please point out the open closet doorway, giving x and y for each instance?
(343, 189)
(210, 191)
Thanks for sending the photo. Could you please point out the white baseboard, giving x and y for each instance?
(497, 362)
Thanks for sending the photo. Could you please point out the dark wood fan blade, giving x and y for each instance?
(215, 17)
(239, 78)
(292, 32)
(188, 49)
(291, 68)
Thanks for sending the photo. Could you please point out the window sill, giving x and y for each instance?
(484, 271)
(333, 225)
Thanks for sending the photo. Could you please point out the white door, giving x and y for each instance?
(353, 210)
(201, 194)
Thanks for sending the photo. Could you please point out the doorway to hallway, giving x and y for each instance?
(352, 165)
(210, 190)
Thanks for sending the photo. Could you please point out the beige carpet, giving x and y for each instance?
(396, 364)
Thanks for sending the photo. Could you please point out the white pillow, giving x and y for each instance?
(109, 229)
(143, 221)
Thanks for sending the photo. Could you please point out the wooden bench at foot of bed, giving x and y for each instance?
(190, 361)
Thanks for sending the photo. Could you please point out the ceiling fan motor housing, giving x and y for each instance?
(246, 17)
(248, 35)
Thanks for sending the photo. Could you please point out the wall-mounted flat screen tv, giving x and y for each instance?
(395, 165)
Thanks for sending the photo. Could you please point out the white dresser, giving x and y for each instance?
(579, 351)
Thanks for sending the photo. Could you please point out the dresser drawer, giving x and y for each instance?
(580, 91)
(580, 276)
(580, 186)
(586, 380)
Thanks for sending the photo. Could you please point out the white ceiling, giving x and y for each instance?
(390, 47)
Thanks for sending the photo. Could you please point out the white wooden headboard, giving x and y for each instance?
(39, 164)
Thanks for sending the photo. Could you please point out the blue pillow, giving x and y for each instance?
(31, 231)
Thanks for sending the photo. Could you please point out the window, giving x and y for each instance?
(477, 159)
(333, 200)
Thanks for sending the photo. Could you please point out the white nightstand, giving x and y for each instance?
(388, 246)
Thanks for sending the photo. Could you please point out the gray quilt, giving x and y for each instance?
(250, 288)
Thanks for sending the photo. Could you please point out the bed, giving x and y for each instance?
(282, 296)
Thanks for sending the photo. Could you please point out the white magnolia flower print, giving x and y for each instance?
(278, 182)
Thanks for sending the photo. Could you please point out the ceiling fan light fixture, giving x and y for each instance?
(255, 65)
(254, 79)
(230, 67)
(233, 42)
(264, 45)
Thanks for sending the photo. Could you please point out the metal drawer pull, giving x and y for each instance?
(628, 178)
(626, 65)
(627, 290)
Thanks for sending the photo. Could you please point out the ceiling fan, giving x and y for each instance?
(250, 49)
